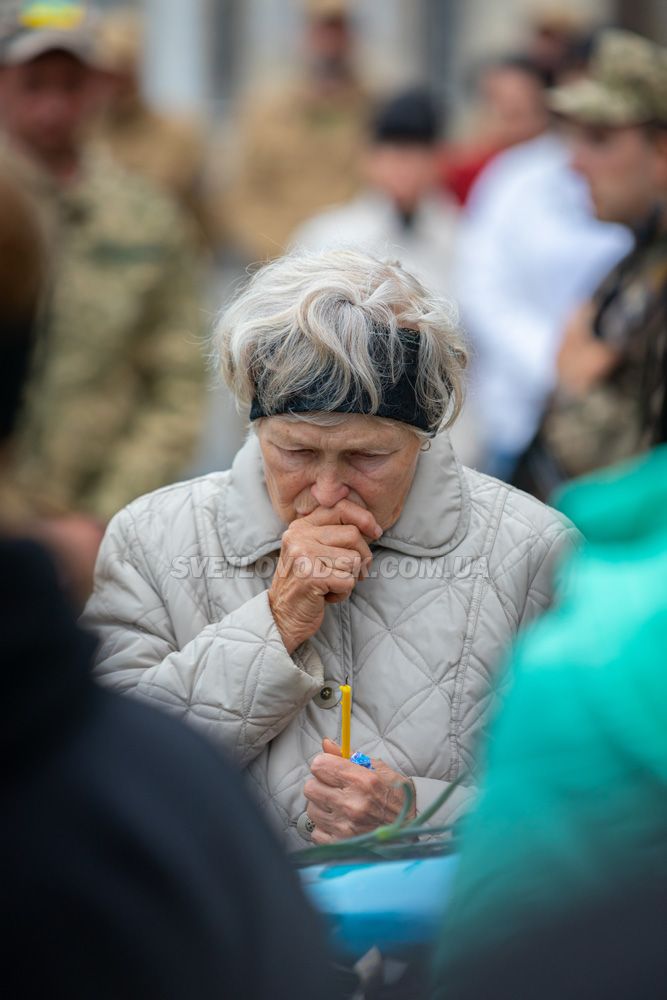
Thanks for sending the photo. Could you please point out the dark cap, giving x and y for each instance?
(408, 117)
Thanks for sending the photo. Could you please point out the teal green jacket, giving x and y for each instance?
(575, 795)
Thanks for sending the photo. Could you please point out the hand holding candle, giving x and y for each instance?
(345, 799)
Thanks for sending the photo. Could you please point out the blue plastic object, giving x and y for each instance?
(361, 759)
(394, 905)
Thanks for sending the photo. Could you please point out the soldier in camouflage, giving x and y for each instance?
(611, 401)
(300, 146)
(114, 405)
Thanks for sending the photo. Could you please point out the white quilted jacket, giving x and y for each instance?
(180, 605)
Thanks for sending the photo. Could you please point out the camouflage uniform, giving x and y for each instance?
(298, 152)
(626, 412)
(168, 151)
(114, 405)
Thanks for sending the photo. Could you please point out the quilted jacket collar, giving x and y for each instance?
(434, 520)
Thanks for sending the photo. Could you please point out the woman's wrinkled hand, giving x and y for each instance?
(322, 558)
(345, 800)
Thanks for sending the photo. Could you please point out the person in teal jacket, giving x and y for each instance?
(573, 813)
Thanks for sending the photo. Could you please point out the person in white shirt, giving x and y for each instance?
(401, 213)
(530, 252)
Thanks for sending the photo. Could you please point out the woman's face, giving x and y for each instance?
(368, 460)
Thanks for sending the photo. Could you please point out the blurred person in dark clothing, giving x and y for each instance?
(132, 862)
(511, 108)
(115, 396)
(300, 146)
(612, 367)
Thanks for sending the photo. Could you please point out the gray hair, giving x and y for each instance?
(310, 316)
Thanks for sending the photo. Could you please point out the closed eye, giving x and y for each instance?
(367, 457)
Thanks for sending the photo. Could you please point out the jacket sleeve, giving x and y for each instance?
(540, 594)
(235, 681)
(170, 368)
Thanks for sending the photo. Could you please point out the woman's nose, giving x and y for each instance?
(328, 489)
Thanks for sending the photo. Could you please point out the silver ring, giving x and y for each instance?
(309, 825)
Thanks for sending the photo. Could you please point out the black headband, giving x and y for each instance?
(398, 396)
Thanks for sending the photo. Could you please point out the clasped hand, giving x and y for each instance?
(322, 558)
(345, 800)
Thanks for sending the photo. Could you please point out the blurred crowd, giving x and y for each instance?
(543, 227)
(541, 214)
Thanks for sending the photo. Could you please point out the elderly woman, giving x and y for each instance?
(345, 543)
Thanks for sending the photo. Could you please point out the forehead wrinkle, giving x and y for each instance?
(340, 438)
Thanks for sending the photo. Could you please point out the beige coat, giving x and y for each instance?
(181, 607)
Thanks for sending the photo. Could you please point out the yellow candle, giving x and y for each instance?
(346, 719)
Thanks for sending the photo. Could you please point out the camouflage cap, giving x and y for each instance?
(29, 29)
(627, 84)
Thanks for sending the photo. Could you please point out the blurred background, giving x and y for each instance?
(202, 55)
(209, 59)
(178, 145)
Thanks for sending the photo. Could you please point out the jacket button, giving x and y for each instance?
(329, 694)
(305, 826)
